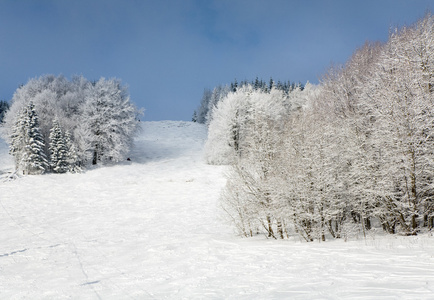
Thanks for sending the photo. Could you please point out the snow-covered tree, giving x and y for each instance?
(111, 120)
(4, 106)
(17, 137)
(254, 197)
(202, 111)
(404, 126)
(384, 94)
(225, 137)
(359, 151)
(58, 149)
(97, 116)
(218, 94)
(27, 143)
(53, 97)
(34, 158)
(343, 97)
(71, 155)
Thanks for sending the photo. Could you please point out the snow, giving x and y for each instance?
(151, 229)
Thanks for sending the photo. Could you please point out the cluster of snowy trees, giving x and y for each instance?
(355, 153)
(4, 106)
(203, 114)
(58, 125)
(235, 117)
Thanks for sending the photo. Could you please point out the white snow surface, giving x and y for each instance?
(150, 229)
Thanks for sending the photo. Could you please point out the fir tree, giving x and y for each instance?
(234, 86)
(271, 84)
(58, 149)
(72, 157)
(256, 84)
(28, 143)
(4, 106)
(16, 148)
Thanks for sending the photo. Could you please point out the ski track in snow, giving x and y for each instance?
(150, 229)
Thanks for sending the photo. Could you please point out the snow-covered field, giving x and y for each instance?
(150, 229)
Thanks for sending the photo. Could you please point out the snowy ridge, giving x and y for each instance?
(149, 228)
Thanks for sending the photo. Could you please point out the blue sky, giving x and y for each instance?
(167, 52)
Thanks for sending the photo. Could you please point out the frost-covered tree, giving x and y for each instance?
(344, 97)
(34, 158)
(4, 106)
(233, 118)
(53, 97)
(218, 93)
(254, 196)
(202, 110)
(203, 114)
(71, 155)
(384, 94)
(111, 120)
(225, 137)
(358, 153)
(404, 126)
(27, 143)
(99, 116)
(58, 149)
(17, 137)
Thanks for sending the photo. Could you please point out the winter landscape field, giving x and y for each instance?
(151, 228)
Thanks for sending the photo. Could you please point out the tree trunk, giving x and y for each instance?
(95, 156)
(270, 227)
(280, 229)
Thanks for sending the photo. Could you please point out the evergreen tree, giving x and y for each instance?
(201, 112)
(194, 117)
(4, 106)
(72, 157)
(58, 149)
(271, 84)
(234, 86)
(35, 160)
(27, 144)
(17, 144)
(256, 84)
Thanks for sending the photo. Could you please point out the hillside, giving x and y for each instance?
(150, 228)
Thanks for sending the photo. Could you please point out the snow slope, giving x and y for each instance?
(149, 229)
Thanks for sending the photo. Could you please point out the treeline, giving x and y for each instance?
(58, 125)
(355, 153)
(203, 114)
